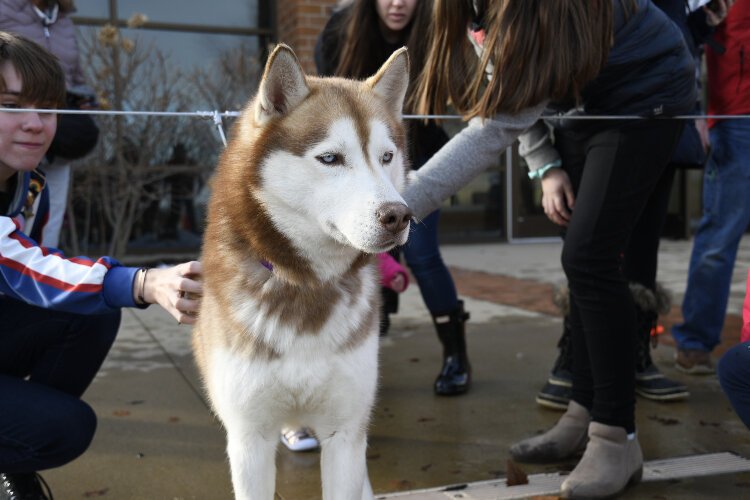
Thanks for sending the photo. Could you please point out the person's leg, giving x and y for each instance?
(734, 375)
(613, 174)
(622, 168)
(41, 427)
(726, 215)
(640, 267)
(558, 390)
(388, 306)
(47, 360)
(621, 171)
(56, 349)
(569, 435)
(642, 253)
(58, 183)
(422, 253)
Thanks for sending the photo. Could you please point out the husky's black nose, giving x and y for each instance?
(394, 216)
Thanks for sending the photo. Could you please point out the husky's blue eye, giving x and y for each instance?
(387, 157)
(329, 158)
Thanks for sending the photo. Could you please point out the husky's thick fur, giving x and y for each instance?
(306, 191)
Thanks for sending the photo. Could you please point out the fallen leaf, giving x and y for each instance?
(709, 424)
(516, 475)
(96, 493)
(664, 420)
(401, 484)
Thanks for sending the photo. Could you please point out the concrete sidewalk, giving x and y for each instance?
(158, 440)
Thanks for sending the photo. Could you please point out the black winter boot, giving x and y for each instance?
(649, 381)
(455, 376)
(558, 389)
(23, 486)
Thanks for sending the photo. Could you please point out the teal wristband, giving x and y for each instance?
(539, 173)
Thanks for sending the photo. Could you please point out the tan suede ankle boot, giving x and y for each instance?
(611, 462)
(566, 439)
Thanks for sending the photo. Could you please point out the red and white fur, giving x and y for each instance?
(304, 195)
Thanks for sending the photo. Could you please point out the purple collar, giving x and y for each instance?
(267, 265)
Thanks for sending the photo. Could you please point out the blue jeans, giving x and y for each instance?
(734, 375)
(726, 215)
(422, 254)
(47, 360)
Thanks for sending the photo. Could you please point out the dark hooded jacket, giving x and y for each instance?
(649, 72)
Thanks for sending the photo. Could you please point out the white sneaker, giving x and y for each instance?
(301, 439)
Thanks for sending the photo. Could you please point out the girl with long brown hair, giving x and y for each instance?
(360, 36)
(502, 63)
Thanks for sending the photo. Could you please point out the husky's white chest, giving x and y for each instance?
(306, 383)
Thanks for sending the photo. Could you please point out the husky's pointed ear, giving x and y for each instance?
(282, 87)
(392, 80)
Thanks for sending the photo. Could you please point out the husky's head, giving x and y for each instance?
(329, 156)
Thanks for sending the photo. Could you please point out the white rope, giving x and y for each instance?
(218, 115)
(109, 112)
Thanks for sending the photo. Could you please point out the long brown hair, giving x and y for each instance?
(361, 39)
(539, 49)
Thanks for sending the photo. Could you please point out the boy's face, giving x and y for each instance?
(24, 137)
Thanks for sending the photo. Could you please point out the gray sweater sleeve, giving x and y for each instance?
(535, 146)
(470, 152)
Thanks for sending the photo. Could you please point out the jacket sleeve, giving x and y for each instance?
(470, 152)
(44, 277)
(535, 146)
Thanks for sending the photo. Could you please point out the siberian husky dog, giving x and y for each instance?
(305, 193)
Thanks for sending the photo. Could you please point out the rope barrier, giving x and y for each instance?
(217, 116)
(220, 128)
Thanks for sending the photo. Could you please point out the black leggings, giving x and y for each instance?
(614, 173)
(641, 256)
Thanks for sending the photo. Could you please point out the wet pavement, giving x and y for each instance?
(158, 440)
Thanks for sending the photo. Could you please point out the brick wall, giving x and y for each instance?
(299, 22)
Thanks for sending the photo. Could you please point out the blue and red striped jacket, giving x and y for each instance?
(44, 276)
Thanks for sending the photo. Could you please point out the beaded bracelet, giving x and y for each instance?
(539, 173)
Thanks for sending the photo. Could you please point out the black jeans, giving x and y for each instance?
(47, 360)
(614, 172)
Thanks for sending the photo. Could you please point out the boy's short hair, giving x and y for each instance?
(42, 76)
